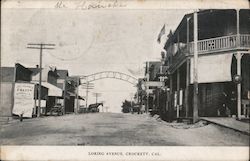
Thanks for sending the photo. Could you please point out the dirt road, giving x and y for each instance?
(113, 129)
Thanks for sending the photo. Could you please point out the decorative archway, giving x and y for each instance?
(110, 74)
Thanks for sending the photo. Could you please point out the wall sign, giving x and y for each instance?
(23, 99)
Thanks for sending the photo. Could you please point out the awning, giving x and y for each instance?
(213, 68)
(74, 95)
(52, 90)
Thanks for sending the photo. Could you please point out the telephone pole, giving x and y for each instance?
(96, 96)
(87, 86)
(41, 47)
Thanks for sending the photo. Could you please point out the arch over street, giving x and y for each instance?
(110, 74)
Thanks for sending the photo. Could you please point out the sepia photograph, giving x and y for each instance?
(118, 80)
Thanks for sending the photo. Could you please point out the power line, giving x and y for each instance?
(96, 94)
(87, 86)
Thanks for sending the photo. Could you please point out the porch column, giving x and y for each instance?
(171, 98)
(238, 57)
(187, 73)
(195, 69)
(178, 89)
(187, 86)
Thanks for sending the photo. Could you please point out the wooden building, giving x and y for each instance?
(223, 52)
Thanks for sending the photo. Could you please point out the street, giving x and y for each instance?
(103, 129)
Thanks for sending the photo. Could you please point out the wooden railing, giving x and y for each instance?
(245, 41)
(221, 43)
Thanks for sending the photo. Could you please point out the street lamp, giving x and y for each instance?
(237, 79)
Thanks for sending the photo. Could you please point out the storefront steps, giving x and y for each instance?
(229, 122)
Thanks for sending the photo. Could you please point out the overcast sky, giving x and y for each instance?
(88, 42)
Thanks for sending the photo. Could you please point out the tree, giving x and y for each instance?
(126, 106)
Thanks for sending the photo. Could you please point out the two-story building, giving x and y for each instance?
(223, 54)
(17, 91)
(49, 81)
(69, 86)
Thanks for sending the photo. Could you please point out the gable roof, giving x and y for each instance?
(63, 74)
(34, 70)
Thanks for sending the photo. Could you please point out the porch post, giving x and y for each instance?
(238, 57)
(187, 86)
(178, 90)
(187, 73)
(195, 69)
(171, 98)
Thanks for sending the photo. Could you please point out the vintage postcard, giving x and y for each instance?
(125, 80)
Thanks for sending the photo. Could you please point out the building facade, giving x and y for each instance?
(223, 48)
(223, 67)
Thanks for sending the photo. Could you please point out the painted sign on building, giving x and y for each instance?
(23, 99)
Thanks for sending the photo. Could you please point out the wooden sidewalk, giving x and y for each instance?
(229, 122)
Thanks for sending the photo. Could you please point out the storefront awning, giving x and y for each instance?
(213, 68)
(52, 90)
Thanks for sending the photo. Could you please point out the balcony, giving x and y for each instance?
(221, 44)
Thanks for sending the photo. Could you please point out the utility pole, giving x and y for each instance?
(96, 96)
(147, 87)
(195, 70)
(41, 47)
(87, 86)
(77, 93)
(64, 95)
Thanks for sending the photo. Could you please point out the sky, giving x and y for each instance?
(88, 41)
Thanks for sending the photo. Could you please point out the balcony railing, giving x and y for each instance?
(221, 44)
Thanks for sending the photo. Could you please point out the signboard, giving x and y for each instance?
(154, 84)
(23, 99)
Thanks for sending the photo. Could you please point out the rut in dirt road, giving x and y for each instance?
(117, 129)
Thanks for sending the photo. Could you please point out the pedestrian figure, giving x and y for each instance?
(233, 103)
(21, 117)
(222, 110)
(222, 107)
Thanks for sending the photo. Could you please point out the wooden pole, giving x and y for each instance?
(147, 88)
(187, 73)
(170, 98)
(187, 87)
(238, 57)
(77, 95)
(195, 69)
(40, 83)
(87, 92)
(64, 95)
(178, 90)
(40, 46)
